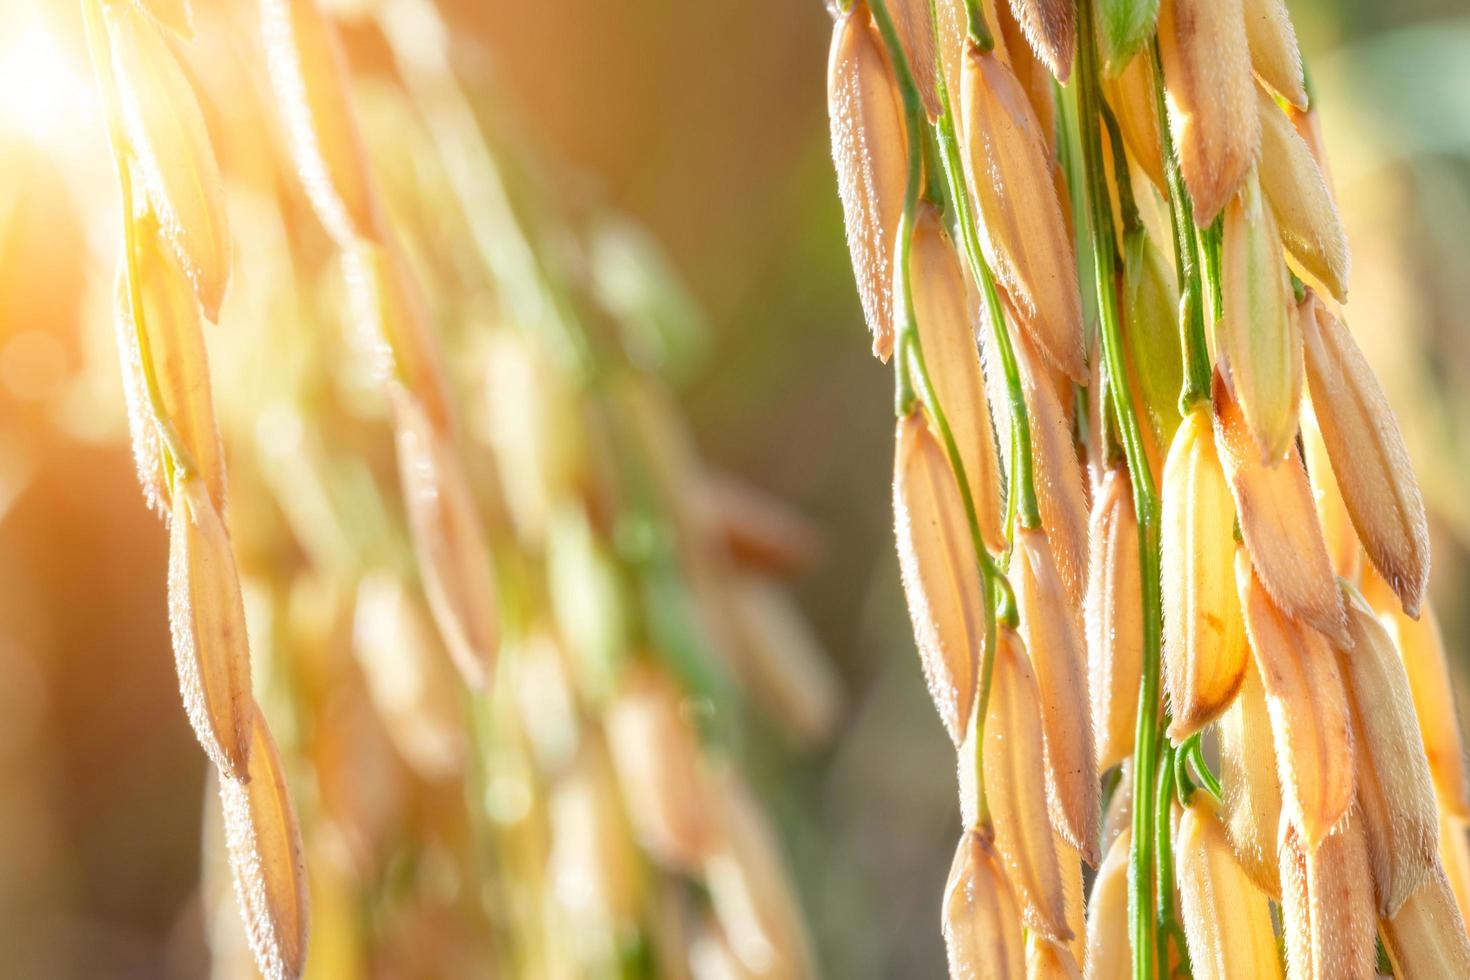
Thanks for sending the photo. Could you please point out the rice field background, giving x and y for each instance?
(705, 126)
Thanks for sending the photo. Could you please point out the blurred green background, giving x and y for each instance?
(706, 122)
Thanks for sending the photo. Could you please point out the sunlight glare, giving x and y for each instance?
(44, 95)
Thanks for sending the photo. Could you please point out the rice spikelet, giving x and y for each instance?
(266, 862)
(1426, 940)
(1212, 99)
(1278, 522)
(1114, 620)
(1107, 915)
(1205, 653)
(982, 921)
(1309, 712)
(1258, 340)
(869, 150)
(1295, 188)
(1273, 48)
(1051, 29)
(1024, 235)
(1343, 549)
(207, 620)
(1368, 457)
(940, 576)
(1052, 633)
(1251, 808)
(1227, 921)
(170, 144)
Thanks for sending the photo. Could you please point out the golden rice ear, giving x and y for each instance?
(170, 144)
(1053, 637)
(1369, 458)
(1114, 620)
(1205, 654)
(1227, 922)
(1395, 795)
(176, 15)
(1024, 233)
(1426, 940)
(1296, 190)
(1251, 808)
(1060, 495)
(656, 754)
(207, 619)
(1131, 97)
(448, 542)
(1207, 69)
(309, 76)
(761, 533)
(869, 150)
(592, 865)
(947, 332)
(982, 920)
(1343, 549)
(1421, 646)
(1309, 712)
(1051, 28)
(1258, 340)
(1107, 915)
(1273, 49)
(1340, 900)
(940, 571)
(1013, 757)
(1278, 522)
(264, 846)
(409, 678)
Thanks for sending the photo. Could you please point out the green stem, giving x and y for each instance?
(1145, 502)
(1164, 848)
(975, 24)
(1186, 251)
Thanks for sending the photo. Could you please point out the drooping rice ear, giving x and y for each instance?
(1310, 719)
(869, 149)
(1205, 654)
(1257, 338)
(1107, 915)
(170, 143)
(309, 76)
(1278, 523)
(1395, 794)
(946, 323)
(1051, 29)
(1131, 97)
(449, 544)
(264, 846)
(1052, 632)
(1207, 69)
(1273, 49)
(1060, 494)
(207, 619)
(941, 577)
(1421, 646)
(1368, 457)
(982, 919)
(1294, 187)
(1227, 921)
(1251, 808)
(1114, 620)
(1427, 939)
(1013, 756)
(1024, 233)
(1343, 549)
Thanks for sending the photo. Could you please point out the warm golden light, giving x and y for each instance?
(46, 97)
